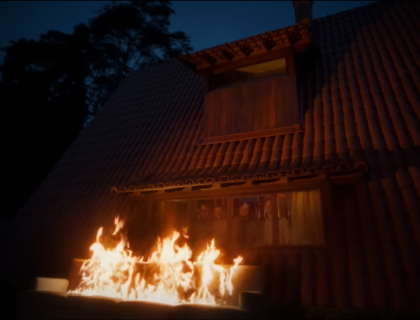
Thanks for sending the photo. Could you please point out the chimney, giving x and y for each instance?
(303, 10)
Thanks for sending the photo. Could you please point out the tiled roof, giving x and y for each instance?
(297, 35)
(364, 107)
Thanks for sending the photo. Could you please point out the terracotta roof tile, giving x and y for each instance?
(218, 160)
(287, 151)
(252, 46)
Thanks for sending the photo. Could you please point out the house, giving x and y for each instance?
(318, 122)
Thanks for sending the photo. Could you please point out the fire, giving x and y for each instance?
(168, 276)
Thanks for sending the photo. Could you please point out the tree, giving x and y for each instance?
(51, 87)
(43, 103)
(126, 36)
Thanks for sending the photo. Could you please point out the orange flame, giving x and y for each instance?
(169, 276)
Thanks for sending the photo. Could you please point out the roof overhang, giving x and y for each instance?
(298, 36)
(339, 175)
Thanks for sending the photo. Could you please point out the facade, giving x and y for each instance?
(297, 148)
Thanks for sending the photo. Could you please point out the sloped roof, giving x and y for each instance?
(364, 106)
(297, 35)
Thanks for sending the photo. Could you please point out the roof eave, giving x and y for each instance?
(337, 176)
(298, 36)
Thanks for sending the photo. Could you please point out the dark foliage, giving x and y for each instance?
(52, 87)
(125, 37)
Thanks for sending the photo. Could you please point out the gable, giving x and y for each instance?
(251, 85)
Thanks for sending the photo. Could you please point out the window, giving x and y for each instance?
(247, 74)
(300, 218)
(209, 221)
(298, 221)
(249, 221)
(173, 215)
(249, 217)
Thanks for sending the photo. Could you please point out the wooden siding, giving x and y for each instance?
(252, 108)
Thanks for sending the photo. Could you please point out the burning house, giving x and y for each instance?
(296, 150)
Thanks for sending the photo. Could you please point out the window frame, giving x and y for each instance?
(288, 53)
(321, 183)
(212, 76)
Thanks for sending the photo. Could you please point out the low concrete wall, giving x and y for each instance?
(54, 305)
(48, 300)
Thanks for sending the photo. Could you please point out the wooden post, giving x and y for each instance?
(307, 279)
(353, 233)
(275, 212)
(376, 285)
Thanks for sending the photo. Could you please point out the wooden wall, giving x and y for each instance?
(364, 264)
(252, 107)
(358, 268)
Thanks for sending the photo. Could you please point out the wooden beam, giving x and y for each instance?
(248, 189)
(335, 177)
(347, 178)
(150, 208)
(274, 217)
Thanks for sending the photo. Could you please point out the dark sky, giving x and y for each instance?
(208, 23)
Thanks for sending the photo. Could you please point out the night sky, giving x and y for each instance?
(208, 23)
